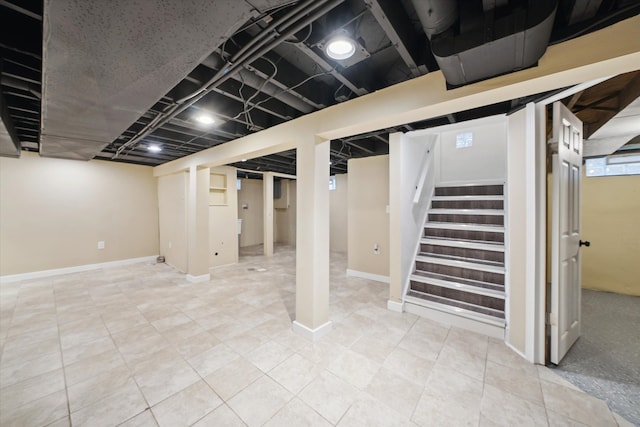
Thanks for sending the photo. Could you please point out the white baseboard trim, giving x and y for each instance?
(396, 306)
(369, 276)
(77, 269)
(311, 334)
(518, 352)
(200, 278)
(457, 321)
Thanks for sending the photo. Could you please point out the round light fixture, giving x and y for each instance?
(204, 119)
(340, 47)
(154, 148)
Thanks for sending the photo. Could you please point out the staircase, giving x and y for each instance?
(459, 272)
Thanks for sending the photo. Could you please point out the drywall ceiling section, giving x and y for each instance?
(107, 62)
(618, 131)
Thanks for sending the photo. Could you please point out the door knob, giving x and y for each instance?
(584, 243)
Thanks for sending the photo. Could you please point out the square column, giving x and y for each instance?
(198, 225)
(267, 196)
(312, 239)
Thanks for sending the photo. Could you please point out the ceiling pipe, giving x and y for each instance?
(214, 61)
(225, 73)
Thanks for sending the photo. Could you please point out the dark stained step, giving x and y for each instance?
(470, 190)
(467, 204)
(464, 273)
(457, 295)
(430, 275)
(467, 219)
(468, 235)
(459, 304)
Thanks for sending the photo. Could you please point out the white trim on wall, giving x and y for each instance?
(396, 306)
(369, 276)
(530, 249)
(77, 269)
(311, 334)
(198, 279)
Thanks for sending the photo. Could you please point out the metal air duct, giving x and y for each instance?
(488, 43)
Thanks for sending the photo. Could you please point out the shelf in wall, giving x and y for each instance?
(217, 189)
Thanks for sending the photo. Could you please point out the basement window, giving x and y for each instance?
(613, 166)
(464, 140)
(332, 183)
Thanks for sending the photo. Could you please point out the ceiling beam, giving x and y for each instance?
(397, 26)
(593, 56)
(330, 69)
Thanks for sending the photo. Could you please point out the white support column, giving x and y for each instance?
(198, 225)
(267, 195)
(312, 239)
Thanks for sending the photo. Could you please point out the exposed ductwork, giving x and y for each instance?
(496, 39)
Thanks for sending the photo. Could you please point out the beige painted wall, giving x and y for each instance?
(610, 212)
(172, 207)
(250, 195)
(285, 219)
(338, 200)
(223, 223)
(368, 220)
(53, 212)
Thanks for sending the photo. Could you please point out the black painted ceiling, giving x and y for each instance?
(291, 79)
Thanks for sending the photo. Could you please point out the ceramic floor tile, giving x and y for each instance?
(257, 403)
(524, 384)
(38, 412)
(246, 342)
(559, 420)
(466, 362)
(269, 355)
(213, 359)
(297, 413)
(13, 352)
(144, 419)
(86, 350)
(24, 370)
(505, 409)
(295, 373)
(233, 377)
(330, 396)
(450, 398)
(462, 339)
(187, 406)
(114, 409)
(396, 392)
(354, 368)
(97, 387)
(222, 416)
(409, 366)
(169, 322)
(369, 412)
(576, 405)
(96, 365)
(119, 324)
(19, 394)
(376, 349)
(157, 385)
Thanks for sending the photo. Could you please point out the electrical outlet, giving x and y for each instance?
(101, 244)
(376, 249)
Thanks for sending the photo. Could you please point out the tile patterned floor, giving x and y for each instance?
(140, 346)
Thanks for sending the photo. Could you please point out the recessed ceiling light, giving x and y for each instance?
(204, 119)
(244, 160)
(340, 47)
(154, 148)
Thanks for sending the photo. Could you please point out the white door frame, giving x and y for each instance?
(536, 195)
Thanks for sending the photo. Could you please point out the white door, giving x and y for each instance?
(565, 232)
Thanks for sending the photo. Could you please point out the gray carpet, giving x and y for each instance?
(605, 361)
